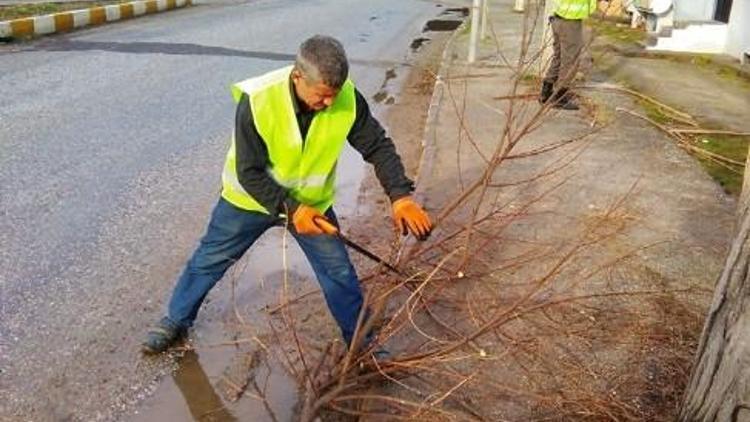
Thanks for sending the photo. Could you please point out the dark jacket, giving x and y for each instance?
(366, 136)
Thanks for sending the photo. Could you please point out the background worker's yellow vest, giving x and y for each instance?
(307, 169)
(574, 9)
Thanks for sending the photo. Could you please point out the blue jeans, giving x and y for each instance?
(231, 232)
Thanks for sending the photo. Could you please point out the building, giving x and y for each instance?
(699, 26)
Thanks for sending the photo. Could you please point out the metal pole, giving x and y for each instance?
(520, 6)
(475, 10)
(483, 33)
(546, 44)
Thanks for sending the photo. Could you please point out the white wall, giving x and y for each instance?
(696, 10)
(738, 37)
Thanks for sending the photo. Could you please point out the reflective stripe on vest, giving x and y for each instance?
(307, 169)
(575, 9)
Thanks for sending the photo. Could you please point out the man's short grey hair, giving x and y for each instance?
(322, 59)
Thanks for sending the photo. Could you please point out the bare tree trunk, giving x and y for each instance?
(719, 386)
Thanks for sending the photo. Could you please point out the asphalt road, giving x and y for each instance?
(111, 145)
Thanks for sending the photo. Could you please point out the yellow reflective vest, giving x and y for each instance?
(307, 168)
(574, 9)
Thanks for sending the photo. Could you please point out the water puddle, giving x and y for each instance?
(389, 74)
(456, 11)
(382, 96)
(190, 394)
(450, 19)
(417, 43)
(441, 25)
(217, 381)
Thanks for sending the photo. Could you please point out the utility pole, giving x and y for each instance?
(546, 42)
(484, 19)
(475, 10)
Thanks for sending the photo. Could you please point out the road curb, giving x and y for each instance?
(74, 19)
(427, 158)
(438, 91)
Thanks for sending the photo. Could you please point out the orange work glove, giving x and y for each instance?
(308, 220)
(410, 217)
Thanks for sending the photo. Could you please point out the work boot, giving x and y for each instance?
(378, 356)
(377, 351)
(547, 89)
(160, 338)
(564, 100)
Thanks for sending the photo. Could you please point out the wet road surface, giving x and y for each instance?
(111, 145)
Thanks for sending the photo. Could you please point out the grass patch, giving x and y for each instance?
(530, 78)
(655, 113)
(729, 176)
(729, 180)
(17, 11)
(616, 31)
(724, 71)
(701, 60)
(733, 147)
(722, 66)
(26, 10)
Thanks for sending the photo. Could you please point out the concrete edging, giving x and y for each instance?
(73, 19)
(428, 147)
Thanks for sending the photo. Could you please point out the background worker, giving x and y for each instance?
(291, 126)
(567, 30)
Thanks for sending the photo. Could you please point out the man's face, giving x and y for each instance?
(316, 96)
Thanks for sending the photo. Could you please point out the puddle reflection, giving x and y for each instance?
(202, 400)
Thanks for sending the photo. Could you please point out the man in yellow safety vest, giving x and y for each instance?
(291, 126)
(567, 30)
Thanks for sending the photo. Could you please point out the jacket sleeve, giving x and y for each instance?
(369, 138)
(253, 164)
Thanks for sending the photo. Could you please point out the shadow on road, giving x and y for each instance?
(180, 49)
(161, 48)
